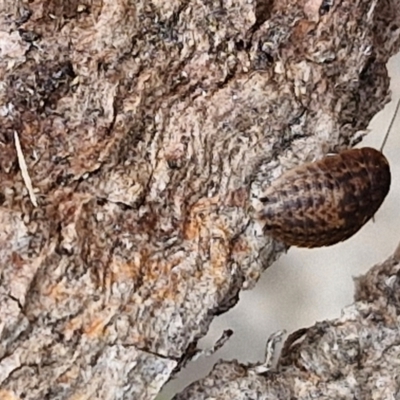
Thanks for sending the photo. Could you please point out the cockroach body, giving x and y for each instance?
(327, 201)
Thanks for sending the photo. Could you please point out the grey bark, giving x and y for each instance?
(149, 130)
(353, 357)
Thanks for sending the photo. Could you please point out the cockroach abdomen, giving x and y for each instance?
(327, 201)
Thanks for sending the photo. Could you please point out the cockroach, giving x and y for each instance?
(327, 201)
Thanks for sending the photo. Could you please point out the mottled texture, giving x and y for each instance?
(327, 201)
(148, 128)
(353, 357)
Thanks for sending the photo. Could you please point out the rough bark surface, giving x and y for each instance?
(149, 130)
(353, 357)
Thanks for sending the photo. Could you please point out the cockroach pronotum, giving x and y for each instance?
(327, 201)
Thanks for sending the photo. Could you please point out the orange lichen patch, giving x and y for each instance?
(219, 257)
(158, 268)
(122, 270)
(95, 328)
(196, 217)
(8, 395)
(57, 292)
(153, 270)
(95, 325)
(72, 326)
(61, 292)
(191, 228)
(165, 293)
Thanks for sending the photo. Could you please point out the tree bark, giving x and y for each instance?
(149, 129)
(353, 357)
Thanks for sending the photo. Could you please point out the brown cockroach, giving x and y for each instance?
(327, 201)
